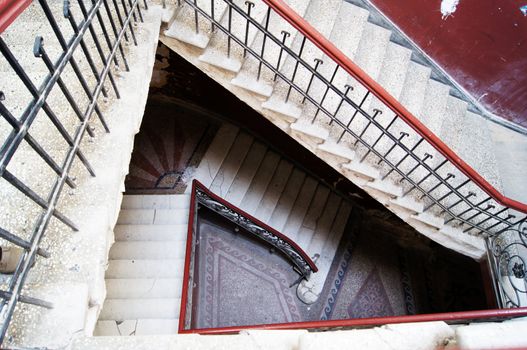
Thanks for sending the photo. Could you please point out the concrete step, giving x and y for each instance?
(138, 201)
(183, 27)
(324, 224)
(287, 200)
(263, 176)
(216, 51)
(141, 268)
(274, 191)
(245, 174)
(231, 164)
(136, 327)
(127, 309)
(216, 153)
(309, 224)
(151, 232)
(300, 208)
(247, 78)
(153, 217)
(149, 250)
(143, 288)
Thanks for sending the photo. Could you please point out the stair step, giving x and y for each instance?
(337, 153)
(287, 200)
(216, 153)
(231, 164)
(309, 224)
(178, 201)
(143, 288)
(288, 111)
(137, 268)
(250, 83)
(429, 219)
(274, 191)
(137, 327)
(324, 224)
(153, 217)
(310, 133)
(386, 187)
(256, 190)
(300, 208)
(413, 93)
(361, 170)
(150, 232)
(409, 204)
(127, 309)
(150, 250)
(247, 171)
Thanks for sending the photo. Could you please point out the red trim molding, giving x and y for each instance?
(451, 317)
(9, 11)
(340, 58)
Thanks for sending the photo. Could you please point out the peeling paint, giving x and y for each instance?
(448, 7)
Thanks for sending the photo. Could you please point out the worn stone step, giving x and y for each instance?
(153, 326)
(143, 288)
(145, 268)
(126, 309)
(147, 250)
(150, 232)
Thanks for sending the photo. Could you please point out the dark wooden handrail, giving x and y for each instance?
(343, 61)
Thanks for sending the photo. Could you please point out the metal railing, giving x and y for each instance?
(103, 22)
(407, 152)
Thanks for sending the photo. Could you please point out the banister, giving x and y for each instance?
(9, 11)
(378, 91)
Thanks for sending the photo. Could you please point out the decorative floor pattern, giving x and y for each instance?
(167, 149)
(241, 280)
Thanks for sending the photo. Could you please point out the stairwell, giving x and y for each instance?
(145, 271)
(389, 61)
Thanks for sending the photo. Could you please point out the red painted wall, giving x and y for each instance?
(483, 45)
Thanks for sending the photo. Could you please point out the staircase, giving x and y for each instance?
(144, 275)
(345, 125)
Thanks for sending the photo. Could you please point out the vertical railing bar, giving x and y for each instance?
(267, 17)
(120, 18)
(72, 61)
(105, 33)
(33, 143)
(302, 44)
(19, 277)
(125, 9)
(28, 192)
(14, 139)
(8, 236)
(114, 29)
(98, 45)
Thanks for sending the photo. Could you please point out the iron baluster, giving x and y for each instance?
(359, 107)
(138, 9)
(212, 15)
(105, 33)
(98, 46)
(318, 62)
(463, 198)
(8, 236)
(435, 170)
(196, 16)
(130, 27)
(441, 182)
(326, 93)
(74, 65)
(249, 5)
(267, 17)
(425, 158)
(27, 300)
(295, 70)
(14, 139)
(285, 35)
(375, 113)
(347, 88)
(229, 23)
(510, 216)
(39, 51)
(455, 190)
(114, 29)
(120, 18)
(123, 2)
(403, 158)
(383, 131)
(402, 135)
(31, 141)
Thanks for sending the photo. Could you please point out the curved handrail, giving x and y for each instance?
(376, 89)
(9, 11)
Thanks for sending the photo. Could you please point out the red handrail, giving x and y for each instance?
(9, 11)
(342, 60)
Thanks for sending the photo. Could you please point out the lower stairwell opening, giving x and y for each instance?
(370, 263)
